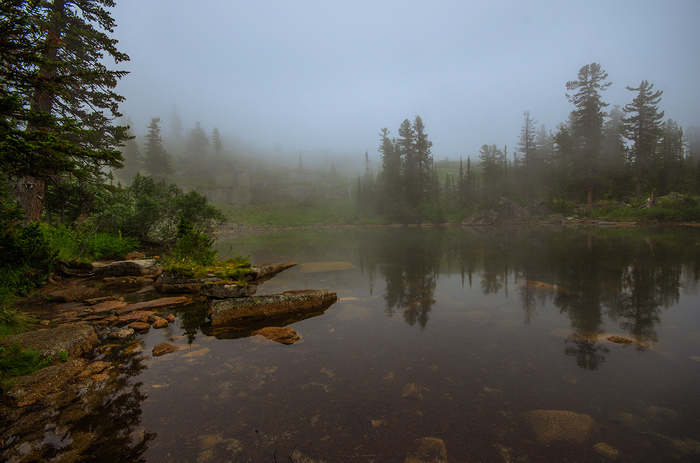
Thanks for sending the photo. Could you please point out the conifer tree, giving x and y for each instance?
(157, 161)
(643, 128)
(586, 123)
(64, 99)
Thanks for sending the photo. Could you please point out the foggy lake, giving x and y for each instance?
(481, 325)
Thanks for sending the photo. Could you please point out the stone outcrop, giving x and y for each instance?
(169, 284)
(548, 426)
(141, 267)
(75, 339)
(224, 312)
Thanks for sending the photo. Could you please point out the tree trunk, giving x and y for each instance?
(30, 196)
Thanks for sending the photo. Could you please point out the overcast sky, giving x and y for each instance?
(315, 75)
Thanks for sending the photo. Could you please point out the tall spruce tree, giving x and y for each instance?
(424, 161)
(157, 161)
(406, 148)
(64, 97)
(643, 128)
(527, 156)
(391, 187)
(586, 122)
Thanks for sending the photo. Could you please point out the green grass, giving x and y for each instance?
(17, 361)
(234, 269)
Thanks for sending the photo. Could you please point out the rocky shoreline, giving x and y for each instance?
(86, 315)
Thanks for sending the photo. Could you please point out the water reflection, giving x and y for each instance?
(96, 419)
(627, 276)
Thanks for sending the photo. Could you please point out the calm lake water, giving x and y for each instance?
(486, 323)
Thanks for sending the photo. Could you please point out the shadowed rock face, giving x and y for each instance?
(224, 312)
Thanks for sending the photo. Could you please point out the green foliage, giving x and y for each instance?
(26, 258)
(63, 356)
(16, 361)
(193, 245)
(151, 210)
(82, 243)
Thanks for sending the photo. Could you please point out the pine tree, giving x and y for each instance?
(216, 141)
(64, 97)
(157, 162)
(527, 151)
(390, 178)
(586, 122)
(424, 160)
(406, 148)
(643, 128)
(198, 143)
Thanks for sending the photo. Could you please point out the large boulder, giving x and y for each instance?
(223, 312)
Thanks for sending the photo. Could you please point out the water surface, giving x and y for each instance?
(487, 323)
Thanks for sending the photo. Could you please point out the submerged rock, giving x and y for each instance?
(323, 267)
(549, 426)
(283, 335)
(224, 312)
(428, 450)
(164, 348)
(606, 451)
(412, 391)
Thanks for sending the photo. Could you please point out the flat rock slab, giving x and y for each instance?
(137, 316)
(283, 335)
(74, 293)
(223, 312)
(155, 304)
(267, 271)
(75, 339)
(548, 426)
(142, 267)
(107, 306)
(35, 386)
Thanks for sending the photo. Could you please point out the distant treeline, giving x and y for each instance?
(628, 152)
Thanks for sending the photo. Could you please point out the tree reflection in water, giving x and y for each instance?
(628, 276)
(102, 425)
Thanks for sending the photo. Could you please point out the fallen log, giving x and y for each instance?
(223, 312)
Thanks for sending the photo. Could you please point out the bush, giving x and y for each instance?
(151, 211)
(193, 245)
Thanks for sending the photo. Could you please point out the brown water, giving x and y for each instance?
(488, 323)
